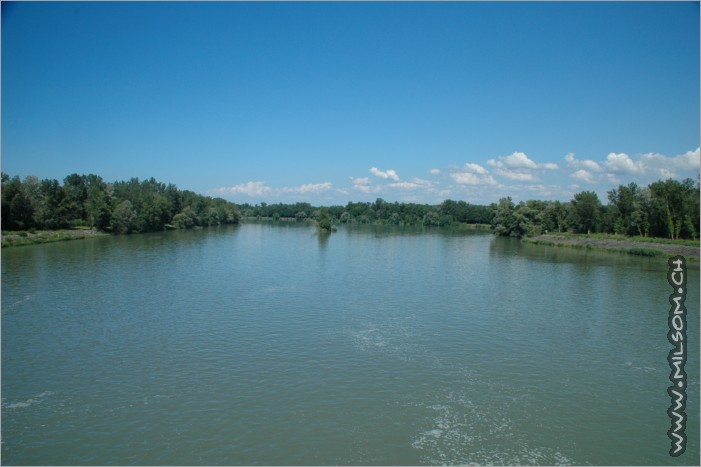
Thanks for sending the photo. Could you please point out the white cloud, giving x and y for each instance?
(521, 176)
(468, 178)
(667, 167)
(260, 189)
(388, 174)
(515, 160)
(404, 185)
(308, 188)
(475, 168)
(434, 171)
(363, 185)
(612, 179)
(586, 164)
(584, 175)
(622, 163)
(413, 184)
(643, 167)
(364, 189)
(690, 159)
(474, 175)
(520, 160)
(665, 173)
(536, 187)
(542, 190)
(248, 188)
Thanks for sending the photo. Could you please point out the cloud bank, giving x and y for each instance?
(517, 175)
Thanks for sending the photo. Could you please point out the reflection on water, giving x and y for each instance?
(268, 343)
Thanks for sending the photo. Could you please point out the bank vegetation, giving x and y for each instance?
(664, 211)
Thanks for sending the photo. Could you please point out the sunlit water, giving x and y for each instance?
(267, 344)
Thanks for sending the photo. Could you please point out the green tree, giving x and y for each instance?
(185, 219)
(431, 219)
(555, 217)
(324, 221)
(640, 217)
(124, 218)
(98, 207)
(674, 208)
(587, 211)
(504, 221)
(76, 194)
(50, 214)
(17, 211)
(622, 202)
(528, 218)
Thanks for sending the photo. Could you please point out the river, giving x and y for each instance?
(271, 344)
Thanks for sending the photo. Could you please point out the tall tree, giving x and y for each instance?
(76, 194)
(124, 218)
(17, 212)
(98, 203)
(504, 221)
(674, 208)
(587, 211)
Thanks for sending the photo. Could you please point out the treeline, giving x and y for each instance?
(379, 212)
(119, 207)
(666, 208)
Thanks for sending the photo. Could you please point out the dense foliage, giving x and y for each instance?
(380, 212)
(668, 209)
(120, 207)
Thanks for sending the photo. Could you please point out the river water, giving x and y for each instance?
(270, 344)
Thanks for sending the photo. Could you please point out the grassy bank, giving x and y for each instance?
(21, 238)
(637, 246)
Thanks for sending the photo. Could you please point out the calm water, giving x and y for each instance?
(265, 344)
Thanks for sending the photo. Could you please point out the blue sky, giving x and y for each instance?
(337, 102)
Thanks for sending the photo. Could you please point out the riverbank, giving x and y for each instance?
(651, 247)
(21, 238)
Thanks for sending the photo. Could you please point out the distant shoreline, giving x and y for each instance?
(623, 245)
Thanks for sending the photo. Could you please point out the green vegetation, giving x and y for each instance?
(324, 222)
(644, 252)
(448, 213)
(633, 238)
(650, 247)
(636, 251)
(20, 238)
(664, 209)
(119, 207)
(663, 212)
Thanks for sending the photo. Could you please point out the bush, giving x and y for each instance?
(644, 252)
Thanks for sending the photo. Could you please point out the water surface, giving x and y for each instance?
(270, 344)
